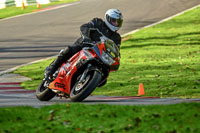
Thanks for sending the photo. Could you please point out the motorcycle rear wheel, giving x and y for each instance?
(79, 93)
(43, 93)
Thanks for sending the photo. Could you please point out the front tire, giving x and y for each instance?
(79, 93)
(43, 93)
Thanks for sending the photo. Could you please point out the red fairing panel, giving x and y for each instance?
(63, 80)
(101, 47)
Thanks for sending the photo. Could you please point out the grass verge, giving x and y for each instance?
(178, 118)
(165, 58)
(13, 11)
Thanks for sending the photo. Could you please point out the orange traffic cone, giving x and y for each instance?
(23, 5)
(141, 90)
(38, 5)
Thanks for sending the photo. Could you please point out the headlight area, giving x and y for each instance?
(107, 58)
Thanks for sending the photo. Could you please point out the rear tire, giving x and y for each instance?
(43, 93)
(87, 89)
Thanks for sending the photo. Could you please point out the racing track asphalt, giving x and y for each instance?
(32, 37)
(27, 98)
(36, 36)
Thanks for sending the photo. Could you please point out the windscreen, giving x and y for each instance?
(112, 48)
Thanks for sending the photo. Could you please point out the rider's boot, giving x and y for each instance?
(63, 56)
(49, 71)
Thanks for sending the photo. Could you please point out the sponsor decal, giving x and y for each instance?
(59, 85)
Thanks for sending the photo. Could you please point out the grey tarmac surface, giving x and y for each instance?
(32, 37)
(12, 94)
(28, 99)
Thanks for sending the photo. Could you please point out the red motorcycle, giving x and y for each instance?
(81, 74)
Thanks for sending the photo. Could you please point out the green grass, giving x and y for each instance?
(72, 118)
(13, 11)
(165, 58)
(35, 72)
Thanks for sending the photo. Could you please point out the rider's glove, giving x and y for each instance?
(103, 39)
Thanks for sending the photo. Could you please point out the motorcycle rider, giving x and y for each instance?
(90, 33)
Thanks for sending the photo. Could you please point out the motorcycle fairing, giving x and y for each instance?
(66, 72)
(100, 49)
(68, 69)
(62, 83)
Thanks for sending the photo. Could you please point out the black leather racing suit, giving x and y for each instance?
(90, 32)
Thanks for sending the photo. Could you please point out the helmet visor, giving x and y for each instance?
(116, 22)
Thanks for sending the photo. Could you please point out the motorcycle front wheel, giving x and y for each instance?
(43, 93)
(82, 90)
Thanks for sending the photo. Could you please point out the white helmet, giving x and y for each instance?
(113, 19)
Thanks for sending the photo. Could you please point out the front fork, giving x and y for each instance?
(82, 79)
(85, 73)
